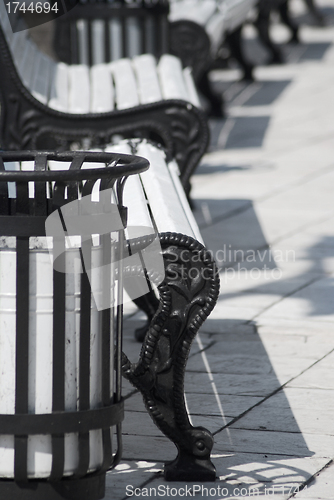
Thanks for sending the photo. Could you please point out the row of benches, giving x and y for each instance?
(193, 30)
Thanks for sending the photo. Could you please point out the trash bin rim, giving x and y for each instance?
(132, 164)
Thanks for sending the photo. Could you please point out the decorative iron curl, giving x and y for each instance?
(185, 303)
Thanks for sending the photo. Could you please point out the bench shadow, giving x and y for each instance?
(257, 437)
(233, 233)
(240, 242)
(267, 92)
(314, 51)
(238, 132)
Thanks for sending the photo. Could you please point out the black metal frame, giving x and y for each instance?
(26, 123)
(187, 296)
(24, 217)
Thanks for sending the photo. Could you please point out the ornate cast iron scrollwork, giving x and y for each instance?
(187, 296)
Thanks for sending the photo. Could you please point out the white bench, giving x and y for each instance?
(127, 97)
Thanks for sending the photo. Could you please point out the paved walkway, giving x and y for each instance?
(265, 203)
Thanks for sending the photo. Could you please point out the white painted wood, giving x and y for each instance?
(134, 43)
(171, 78)
(134, 197)
(102, 89)
(125, 84)
(79, 85)
(191, 88)
(59, 91)
(160, 191)
(98, 37)
(43, 70)
(115, 38)
(192, 10)
(83, 48)
(174, 173)
(147, 78)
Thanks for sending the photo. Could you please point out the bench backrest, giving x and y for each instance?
(98, 32)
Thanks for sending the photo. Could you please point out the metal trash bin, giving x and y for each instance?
(60, 388)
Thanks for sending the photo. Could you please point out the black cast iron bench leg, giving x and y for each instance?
(187, 296)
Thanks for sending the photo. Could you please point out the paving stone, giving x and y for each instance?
(232, 406)
(152, 448)
(321, 488)
(294, 410)
(251, 385)
(315, 301)
(302, 326)
(237, 439)
(319, 376)
(260, 468)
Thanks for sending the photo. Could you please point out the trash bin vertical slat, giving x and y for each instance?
(22, 351)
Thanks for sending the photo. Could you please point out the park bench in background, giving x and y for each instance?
(53, 104)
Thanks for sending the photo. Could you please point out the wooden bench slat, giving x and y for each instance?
(237, 12)
(59, 98)
(171, 78)
(98, 37)
(134, 198)
(79, 93)
(102, 89)
(125, 84)
(115, 39)
(190, 86)
(160, 191)
(133, 38)
(147, 78)
(175, 176)
(192, 10)
(83, 41)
